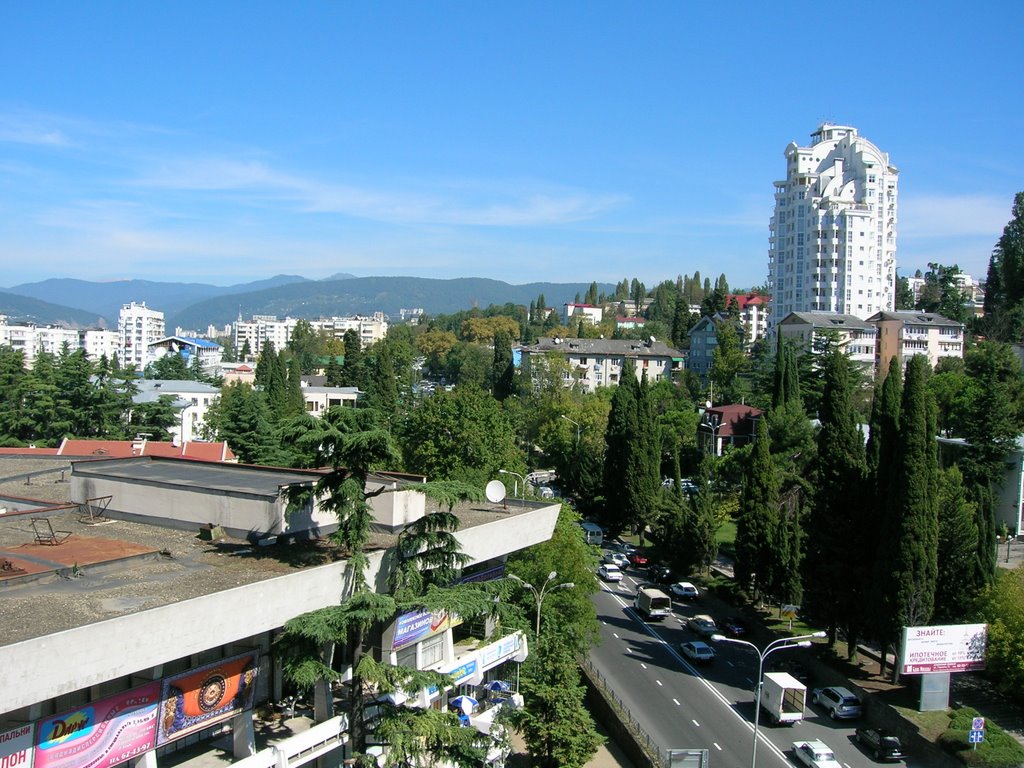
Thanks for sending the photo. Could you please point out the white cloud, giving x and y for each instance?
(498, 204)
(16, 130)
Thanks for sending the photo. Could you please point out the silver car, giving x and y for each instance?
(839, 702)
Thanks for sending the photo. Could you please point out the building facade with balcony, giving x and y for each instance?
(904, 334)
(857, 337)
(832, 240)
(591, 363)
(138, 326)
(727, 426)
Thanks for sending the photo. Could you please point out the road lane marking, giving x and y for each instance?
(658, 682)
(731, 706)
(677, 702)
(715, 745)
(695, 723)
(643, 665)
(615, 635)
(628, 649)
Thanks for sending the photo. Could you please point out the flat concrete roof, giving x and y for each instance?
(117, 567)
(215, 476)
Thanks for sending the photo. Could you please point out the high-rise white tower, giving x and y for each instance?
(832, 245)
(137, 328)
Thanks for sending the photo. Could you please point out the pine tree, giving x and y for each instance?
(757, 526)
(1004, 286)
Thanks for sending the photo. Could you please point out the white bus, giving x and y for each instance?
(592, 533)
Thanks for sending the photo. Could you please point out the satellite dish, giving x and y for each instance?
(495, 491)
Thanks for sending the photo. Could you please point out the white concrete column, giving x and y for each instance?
(243, 735)
(146, 760)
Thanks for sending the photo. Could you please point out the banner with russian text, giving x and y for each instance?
(16, 747)
(101, 734)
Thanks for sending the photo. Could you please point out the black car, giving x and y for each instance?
(660, 574)
(883, 745)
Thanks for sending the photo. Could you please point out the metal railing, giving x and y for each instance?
(655, 752)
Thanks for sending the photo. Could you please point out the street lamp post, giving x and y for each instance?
(800, 641)
(515, 487)
(577, 424)
(538, 594)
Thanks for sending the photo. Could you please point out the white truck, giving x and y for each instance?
(783, 698)
(652, 604)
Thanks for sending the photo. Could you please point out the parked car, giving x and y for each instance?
(685, 590)
(698, 651)
(884, 746)
(659, 574)
(626, 548)
(703, 624)
(734, 626)
(815, 754)
(616, 558)
(638, 558)
(839, 702)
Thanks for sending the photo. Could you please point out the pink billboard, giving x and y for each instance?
(101, 734)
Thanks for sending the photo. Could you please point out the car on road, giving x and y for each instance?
(815, 754)
(626, 548)
(882, 745)
(617, 558)
(638, 558)
(839, 702)
(609, 572)
(659, 574)
(685, 590)
(698, 651)
(734, 626)
(703, 624)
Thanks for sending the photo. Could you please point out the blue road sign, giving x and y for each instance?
(976, 737)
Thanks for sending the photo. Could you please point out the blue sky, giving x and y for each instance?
(231, 141)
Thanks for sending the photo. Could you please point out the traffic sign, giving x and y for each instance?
(976, 737)
(978, 724)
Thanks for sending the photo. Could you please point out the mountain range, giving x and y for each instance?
(85, 304)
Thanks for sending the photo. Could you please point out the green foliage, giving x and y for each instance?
(834, 520)
(241, 418)
(427, 550)
(557, 728)
(999, 750)
(1003, 609)
(1004, 285)
(728, 362)
(942, 294)
(757, 527)
(957, 547)
(460, 435)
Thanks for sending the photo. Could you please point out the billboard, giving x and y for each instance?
(951, 648)
(101, 734)
(206, 695)
(418, 625)
(16, 747)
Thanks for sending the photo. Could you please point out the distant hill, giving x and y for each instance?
(106, 299)
(24, 309)
(365, 295)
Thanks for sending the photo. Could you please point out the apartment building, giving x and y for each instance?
(904, 334)
(588, 313)
(138, 327)
(832, 240)
(591, 363)
(856, 336)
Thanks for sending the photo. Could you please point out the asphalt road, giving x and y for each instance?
(710, 706)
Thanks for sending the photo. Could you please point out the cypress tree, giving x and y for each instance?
(909, 546)
(957, 547)
(835, 513)
(622, 425)
(757, 526)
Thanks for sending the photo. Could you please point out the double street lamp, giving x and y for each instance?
(538, 594)
(515, 487)
(578, 428)
(799, 641)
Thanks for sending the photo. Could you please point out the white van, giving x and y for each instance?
(592, 533)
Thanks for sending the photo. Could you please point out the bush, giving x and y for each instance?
(999, 750)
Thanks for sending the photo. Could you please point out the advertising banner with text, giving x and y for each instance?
(101, 734)
(951, 648)
(16, 746)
